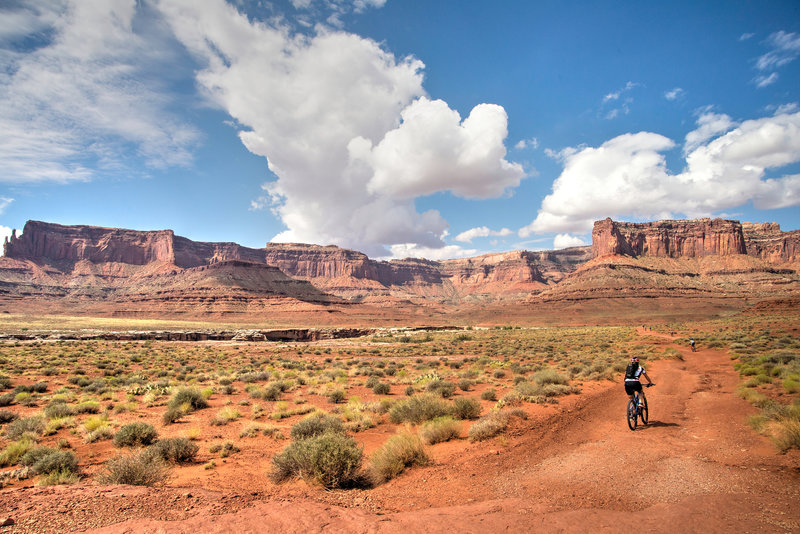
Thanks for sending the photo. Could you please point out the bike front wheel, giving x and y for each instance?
(632, 415)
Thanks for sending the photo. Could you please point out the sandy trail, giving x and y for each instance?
(696, 467)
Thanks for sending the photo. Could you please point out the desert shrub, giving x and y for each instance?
(176, 450)
(261, 376)
(439, 430)
(371, 382)
(336, 396)
(6, 416)
(225, 416)
(464, 408)
(332, 460)
(143, 468)
(488, 426)
(499, 373)
(316, 424)
(43, 460)
(6, 399)
(399, 452)
(225, 448)
(489, 395)
(549, 376)
(28, 425)
(59, 476)
(409, 391)
(191, 397)
(381, 388)
(88, 407)
(58, 409)
(442, 388)
(134, 434)
(418, 409)
(172, 414)
(271, 393)
(787, 434)
(465, 385)
(14, 451)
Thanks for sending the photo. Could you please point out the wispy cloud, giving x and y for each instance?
(674, 94)
(89, 94)
(746, 36)
(527, 143)
(619, 101)
(784, 48)
(4, 202)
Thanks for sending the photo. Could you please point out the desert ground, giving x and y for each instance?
(719, 453)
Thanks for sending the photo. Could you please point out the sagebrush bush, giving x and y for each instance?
(489, 395)
(27, 425)
(175, 450)
(144, 468)
(442, 388)
(45, 460)
(399, 452)
(332, 460)
(134, 434)
(418, 409)
(6, 416)
(14, 451)
(488, 426)
(439, 430)
(58, 409)
(316, 424)
(191, 396)
(381, 388)
(466, 408)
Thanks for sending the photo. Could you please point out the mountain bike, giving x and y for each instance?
(637, 411)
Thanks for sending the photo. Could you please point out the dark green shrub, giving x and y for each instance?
(144, 468)
(6, 416)
(176, 450)
(442, 388)
(418, 408)
(464, 408)
(27, 425)
(134, 434)
(489, 395)
(381, 388)
(398, 453)
(332, 460)
(44, 460)
(336, 396)
(409, 391)
(316, 424)
(188, 396)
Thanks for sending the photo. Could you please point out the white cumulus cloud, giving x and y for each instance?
(4, 202)
(346, 127)
(674, 94)
(709, 125)
(481, 231)
(627, 176)
(566, 241)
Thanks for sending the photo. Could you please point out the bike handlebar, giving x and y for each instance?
(649, 385)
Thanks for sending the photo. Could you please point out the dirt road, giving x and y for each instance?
(697, 467)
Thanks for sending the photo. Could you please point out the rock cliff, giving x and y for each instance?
(768, 242)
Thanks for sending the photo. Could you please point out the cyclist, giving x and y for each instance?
(632, 375)
(691, 342)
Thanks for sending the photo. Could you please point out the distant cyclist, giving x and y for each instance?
(691, 343)
(632, 375)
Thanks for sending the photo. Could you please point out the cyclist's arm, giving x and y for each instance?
(644, 373)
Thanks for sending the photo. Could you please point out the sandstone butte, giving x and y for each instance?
(93, 270)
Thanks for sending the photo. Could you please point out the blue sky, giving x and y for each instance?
(397, 128)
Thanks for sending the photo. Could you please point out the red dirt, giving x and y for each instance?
(574, 468)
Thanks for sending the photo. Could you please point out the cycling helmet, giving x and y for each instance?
(634, 359)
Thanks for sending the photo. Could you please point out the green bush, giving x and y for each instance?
(316, 424)
(332, 460)
(418, 409)
(464, 408)
(488, 426)
(439, 430)
(336, 396)
(489, 395)
(45, 460)
(442, 388)
(134, 434)
(549, 376)
(191, 397)
(144, 468)
(399, 452)
(58, 409)
(28, 425)
(175, 450)
(381, 388)
(14, 451)
(6, 416)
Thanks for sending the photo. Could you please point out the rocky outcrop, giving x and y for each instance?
(768, 242)
(668, 239)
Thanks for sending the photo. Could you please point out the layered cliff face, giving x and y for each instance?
(668, 239)
(768, 242)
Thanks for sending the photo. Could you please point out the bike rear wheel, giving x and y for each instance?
(643, 411)
(632, 415)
